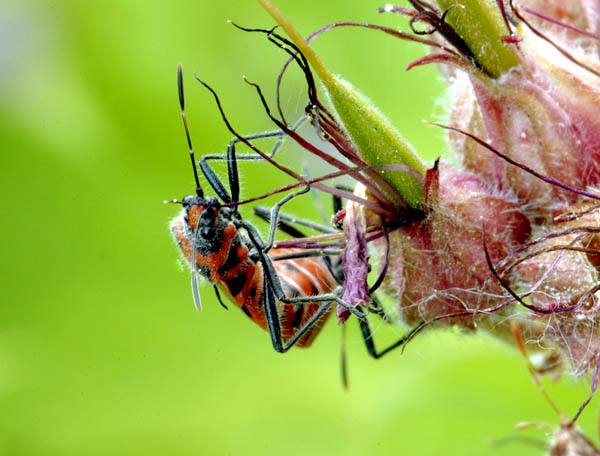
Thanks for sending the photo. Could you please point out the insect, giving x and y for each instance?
(290, 298)
(283, 291)
(568, 439)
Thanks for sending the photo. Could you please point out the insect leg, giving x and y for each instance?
(232, 172)
(368, 335)
(283, 224)
(275, 215)
(231, 157)
(272, 317)
(370, 344)
(285, 221)
(269, 269)
(274, 324)
(273, 292)
(219, 297)
(231, 154)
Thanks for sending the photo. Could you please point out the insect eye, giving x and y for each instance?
(188, 200)
(207, 222)
(207, 232)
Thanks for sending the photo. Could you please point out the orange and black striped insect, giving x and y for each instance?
(290, 298)
(285, 291)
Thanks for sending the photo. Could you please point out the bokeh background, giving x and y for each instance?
(101, 349)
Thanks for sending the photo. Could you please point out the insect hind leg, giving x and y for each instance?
(368, 336)
(274, 323)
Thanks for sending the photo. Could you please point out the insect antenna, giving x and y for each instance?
(199, 191)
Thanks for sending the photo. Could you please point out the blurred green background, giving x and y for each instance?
(101, 349)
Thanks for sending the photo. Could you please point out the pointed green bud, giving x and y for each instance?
(377, 141)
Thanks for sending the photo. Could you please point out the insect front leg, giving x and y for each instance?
(231, 158)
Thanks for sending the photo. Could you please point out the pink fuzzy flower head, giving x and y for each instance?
(542, 113)
(438, 267)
